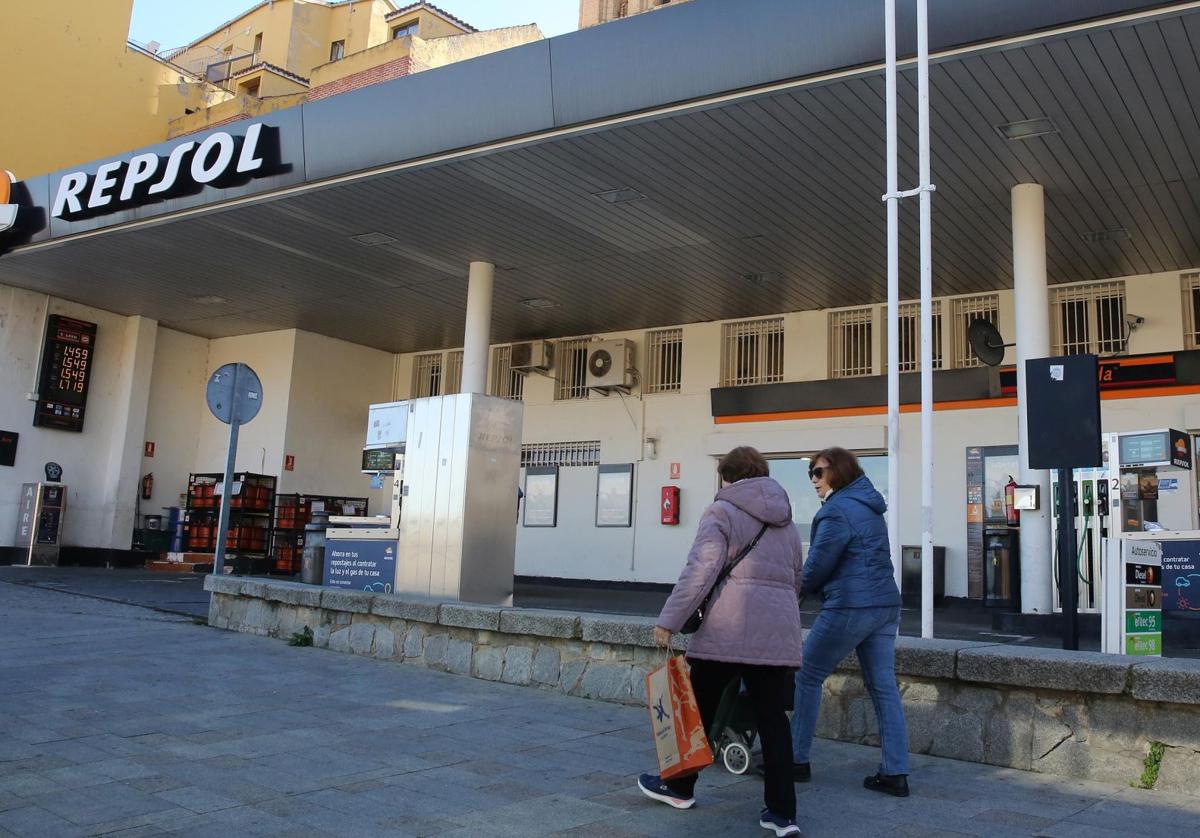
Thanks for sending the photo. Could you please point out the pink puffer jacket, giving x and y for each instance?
(754, 616)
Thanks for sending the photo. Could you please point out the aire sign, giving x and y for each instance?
(220, 159)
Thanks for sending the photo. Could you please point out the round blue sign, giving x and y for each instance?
(234, 391)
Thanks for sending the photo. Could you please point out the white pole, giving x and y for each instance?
(478, 327)
(1032, 308)
(893, 292)
(926, 320)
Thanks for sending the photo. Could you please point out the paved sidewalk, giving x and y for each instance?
(118, 720)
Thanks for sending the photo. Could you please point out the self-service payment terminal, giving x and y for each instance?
(1151, 503)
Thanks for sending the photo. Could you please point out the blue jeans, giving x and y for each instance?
(872, 632)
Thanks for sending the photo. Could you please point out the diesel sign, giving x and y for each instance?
(221, 159)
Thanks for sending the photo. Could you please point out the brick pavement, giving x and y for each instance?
(118, 720)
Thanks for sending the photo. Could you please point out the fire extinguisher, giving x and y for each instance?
(148, 486)
(1011, 513)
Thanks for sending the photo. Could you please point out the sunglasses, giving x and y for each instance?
(817, 472)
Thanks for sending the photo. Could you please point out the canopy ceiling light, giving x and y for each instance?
(373, 239)
(619, 196)
(1027, 129)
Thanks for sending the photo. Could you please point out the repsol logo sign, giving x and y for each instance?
(220, 160)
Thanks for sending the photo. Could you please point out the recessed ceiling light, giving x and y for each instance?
(538, 303)
(1117, 234)
(373, 239)
(209, 300)
(1027, 129)
(619, 196)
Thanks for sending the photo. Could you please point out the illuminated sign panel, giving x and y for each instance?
(67, 360)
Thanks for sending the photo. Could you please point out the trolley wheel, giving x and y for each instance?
(736, 757)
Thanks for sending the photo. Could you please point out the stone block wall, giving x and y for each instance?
(1077, 714)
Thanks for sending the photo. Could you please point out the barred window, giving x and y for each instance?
(963, 311)
(427, 375)
(752, 352)
(1191, 310)
(1088, 318)
(664, 360)
(560, 454)
(910, 335)
(571, 360)
(507, 383)
(850, 346)
(454, 367)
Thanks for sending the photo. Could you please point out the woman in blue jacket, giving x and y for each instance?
(849, 564)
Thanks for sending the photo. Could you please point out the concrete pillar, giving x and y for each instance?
(479, 327)
(1032, 309)
(131, 398)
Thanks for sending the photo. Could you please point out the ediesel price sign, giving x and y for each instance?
(67, 360)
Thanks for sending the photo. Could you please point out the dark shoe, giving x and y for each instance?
(894, 784)
(655, 788)
(801, 771)
(781, 826)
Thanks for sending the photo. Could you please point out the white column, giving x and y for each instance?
(1032, 308)
(893, 291)
(479, 327)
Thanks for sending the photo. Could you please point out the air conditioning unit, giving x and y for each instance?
(533, 355)
(610, 364)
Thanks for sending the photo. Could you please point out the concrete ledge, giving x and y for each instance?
(424, 611)
(356, 602)
(228, 585)
(291, 593)
(468, 615)
(1051, 669)
(610, 628)
(1167, 679)
(540, 623)
(931, 658)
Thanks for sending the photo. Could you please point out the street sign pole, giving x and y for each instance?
(234, 396)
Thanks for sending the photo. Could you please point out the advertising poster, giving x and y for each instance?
(360, 565)
(1181, 576)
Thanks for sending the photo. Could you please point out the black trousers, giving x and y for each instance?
(770, 690)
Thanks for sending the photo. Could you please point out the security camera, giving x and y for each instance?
(1134, 320)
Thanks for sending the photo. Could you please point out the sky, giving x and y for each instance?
(174, 23)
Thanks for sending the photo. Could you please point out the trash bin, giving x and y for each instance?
(312, 560)
(1002, 567)
(910, 575)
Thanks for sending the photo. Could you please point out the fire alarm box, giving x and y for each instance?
(669, 505)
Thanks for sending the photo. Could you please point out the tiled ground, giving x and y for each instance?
(117, 720)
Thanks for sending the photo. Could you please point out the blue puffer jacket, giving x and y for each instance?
(849, 561)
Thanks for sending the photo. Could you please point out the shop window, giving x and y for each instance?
(752, 352)
(405, 30)
(791, 471)
(337, 50)
(507, 383)
(850, 343)
(963, 311)
(1088, 319)
(427, 375)
(571, 361)
(910, 336)
(1191, 310)
(664, 360)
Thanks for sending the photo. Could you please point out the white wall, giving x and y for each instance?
(85, 457)
(332, 383)
(173, 419)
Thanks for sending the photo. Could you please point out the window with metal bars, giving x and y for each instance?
(962, 311)
(752, 352)
(507, 383)
(850, 347)
(664, 360)
(1191, 309)
(571, 359)
(454, 367)
(427, 375)
(909, 317)
(560, 454)
(1089, 318)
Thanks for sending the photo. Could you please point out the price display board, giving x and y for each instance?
(67, 361)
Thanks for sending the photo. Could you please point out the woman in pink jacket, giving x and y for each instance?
(751, 629)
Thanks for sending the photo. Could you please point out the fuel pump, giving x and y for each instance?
(1091, 527)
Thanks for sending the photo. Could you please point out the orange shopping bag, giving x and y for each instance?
(679, 733)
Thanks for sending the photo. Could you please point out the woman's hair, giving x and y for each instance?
(742, 462)
(843, 466)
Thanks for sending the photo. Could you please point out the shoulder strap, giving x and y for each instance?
(728, 569)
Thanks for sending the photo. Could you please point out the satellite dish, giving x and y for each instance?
(985, 339)
(600, 363)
